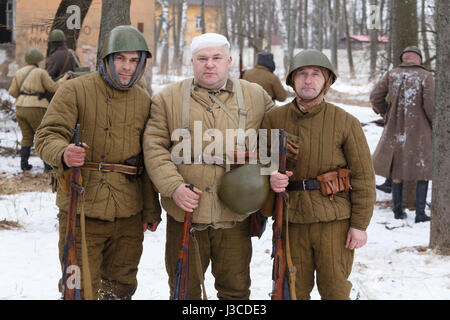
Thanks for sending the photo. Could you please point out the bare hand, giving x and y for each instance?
(186, 199)
(74, 155)
(355, 239)
(152, 226)
(279, 181)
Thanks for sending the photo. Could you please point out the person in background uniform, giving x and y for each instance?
(405, 147)
(328, 149)
(28, 87)
(263, 75)
(222, 233)
(119, 202)
(60, 59)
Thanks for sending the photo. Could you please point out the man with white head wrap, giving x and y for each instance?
(210, 98)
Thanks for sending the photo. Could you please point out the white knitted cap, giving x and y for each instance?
(207, 40)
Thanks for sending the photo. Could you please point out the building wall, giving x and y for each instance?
(34, 20)
(212, 21)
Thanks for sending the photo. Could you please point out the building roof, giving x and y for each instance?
(366, 38)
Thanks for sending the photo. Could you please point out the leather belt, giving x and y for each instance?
(113, 167)
(303, 185)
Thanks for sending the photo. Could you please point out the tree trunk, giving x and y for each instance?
(61, 20)
(334, 33)
(348, 41)
(373, 46)
(305, 26)
(268, 5)
(224, 18)
(440, 209)
(405, 27)
(202, 17)
(164, 61)
(114, 13)
(283, 34)
(423, 27)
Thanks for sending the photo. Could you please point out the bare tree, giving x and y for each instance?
(179, 10)
(348, 40)
(164, 61)
(373, 45)
(440, 209)
(423, 32)
(334, 13)
(114, 13)
(405, 27)
(61, 17)
(202, 17)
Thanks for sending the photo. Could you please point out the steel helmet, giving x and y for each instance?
(124, 38)
(411, 49)
(244, 190)
(33, 56)
(56, 35)
(310, 57)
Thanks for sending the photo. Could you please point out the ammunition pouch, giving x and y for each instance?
(334, 181)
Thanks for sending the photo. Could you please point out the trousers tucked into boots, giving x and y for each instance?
(24, 156)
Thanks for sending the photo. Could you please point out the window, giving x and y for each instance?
(9, 15)
(198, 23)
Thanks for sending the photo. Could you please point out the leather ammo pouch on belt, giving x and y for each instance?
(334, 181)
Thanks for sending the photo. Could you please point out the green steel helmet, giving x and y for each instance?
(244, 190)
(124, 38)
(56, 35)
(411, 49)
(310, 57)
(33, 56)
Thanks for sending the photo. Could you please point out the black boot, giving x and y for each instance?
(421, 201)
(397, 191)
(24, 155)
(386, 186)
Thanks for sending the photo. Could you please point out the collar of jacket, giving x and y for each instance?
(228, 86)
(258, 66)
(297, 113)
(108, 90)
(200, 94)
(409, 65)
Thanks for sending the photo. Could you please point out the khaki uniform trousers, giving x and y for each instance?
(230, 252)
(114, 251)
(320, 247)
(29, 119)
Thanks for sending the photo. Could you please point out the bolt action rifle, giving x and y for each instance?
(280, 290)
(182, 270)
(71, 271)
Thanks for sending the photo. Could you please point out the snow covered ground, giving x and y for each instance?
(395, 264)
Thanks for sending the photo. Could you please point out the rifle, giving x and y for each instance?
(280, 290)
(182, 270)
(71, 283)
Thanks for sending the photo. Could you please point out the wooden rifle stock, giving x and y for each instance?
(71, 278)
(181, 291)
(280, 284)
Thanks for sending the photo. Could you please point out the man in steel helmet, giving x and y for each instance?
(119, 202)
(327, 218)
(404, 151)
(60, 59)
(211, 99)
(28, 87)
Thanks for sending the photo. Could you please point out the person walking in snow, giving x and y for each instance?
(405, 147)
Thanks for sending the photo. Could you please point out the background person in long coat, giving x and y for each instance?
(404, 149)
